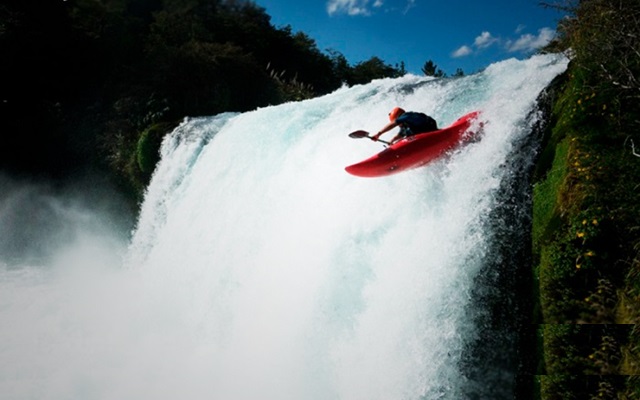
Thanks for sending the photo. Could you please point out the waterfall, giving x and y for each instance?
(260, 269)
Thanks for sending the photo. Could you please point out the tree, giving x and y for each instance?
(340, 66)
(609, 48)
(431, 69)
(402, 70)
(459, 72)
(373, 68)
(89, 76)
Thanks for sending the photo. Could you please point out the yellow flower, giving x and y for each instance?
(578, 266)
(584, 222)
(590, 253)
(580, 234)
(579, 101)
(604, 107)
(595, 221)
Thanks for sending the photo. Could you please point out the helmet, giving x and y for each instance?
(395, 113)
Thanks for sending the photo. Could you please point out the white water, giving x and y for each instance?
(261, 270)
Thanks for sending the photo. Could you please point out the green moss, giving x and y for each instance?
(546, 213)
(148, 148)
(137, 157)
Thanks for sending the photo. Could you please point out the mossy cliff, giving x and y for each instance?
(586, 238)
(586, 213)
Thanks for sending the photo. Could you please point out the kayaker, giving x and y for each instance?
(410, 123)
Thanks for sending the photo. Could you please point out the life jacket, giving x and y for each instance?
(412, 123)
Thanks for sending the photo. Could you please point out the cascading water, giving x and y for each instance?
(260, 269)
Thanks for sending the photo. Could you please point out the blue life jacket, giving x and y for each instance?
(412, 123)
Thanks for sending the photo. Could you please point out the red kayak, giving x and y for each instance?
(416, 150)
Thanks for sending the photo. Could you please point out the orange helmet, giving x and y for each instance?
(395, 113)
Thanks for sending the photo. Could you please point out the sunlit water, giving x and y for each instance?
(260, 269)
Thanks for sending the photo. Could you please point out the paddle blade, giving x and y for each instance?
(359, 134)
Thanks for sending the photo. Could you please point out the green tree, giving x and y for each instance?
(459, 72)
(296, 56)
(604, 37)
(431, 69)
(373, 68)
(90, 76)
(341, 68)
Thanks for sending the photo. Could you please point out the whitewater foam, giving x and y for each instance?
(260, 269)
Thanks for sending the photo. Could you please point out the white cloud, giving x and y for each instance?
(461, 52)
(410, 5)
(350, 7)
(362, 7)
(484, 40)
(525, 43)
(529, 42)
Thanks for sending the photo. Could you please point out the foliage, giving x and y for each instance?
(148, 148)
(606, 41)
(431, 69)
(459, 72)
(85, 78)
(546, 193)
(584, 209)
(582, 361)
(603, 37)
(290, 89)
(585, 234)
(373, 68)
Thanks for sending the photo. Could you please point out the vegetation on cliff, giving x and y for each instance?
(586, 234)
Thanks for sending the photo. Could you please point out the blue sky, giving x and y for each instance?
(467, 34)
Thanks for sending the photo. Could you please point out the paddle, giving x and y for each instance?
(364, 134)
